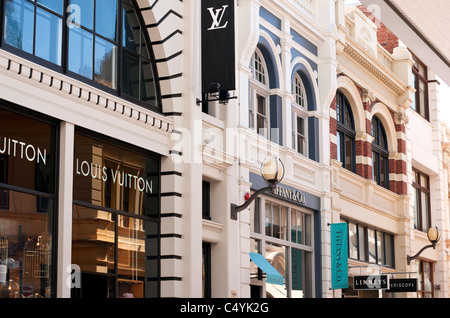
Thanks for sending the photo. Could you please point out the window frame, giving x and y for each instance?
(64, 67)
(299, 111)
(418, 221)
(380, 152)
(343, 131)
(362, 248)
(262, 240)
(258, 90)
(421, 277)
(50, 195)
(422, 110)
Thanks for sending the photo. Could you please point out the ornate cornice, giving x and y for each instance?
(376, 68)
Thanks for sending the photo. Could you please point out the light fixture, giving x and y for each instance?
(272, 171)
(433, 236)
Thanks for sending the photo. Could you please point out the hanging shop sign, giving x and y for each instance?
(339, 260)
(218, 45)
(371, 282)
(402, 285)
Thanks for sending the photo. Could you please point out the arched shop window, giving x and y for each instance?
(380, 154)
(345, 132)
(101, 42)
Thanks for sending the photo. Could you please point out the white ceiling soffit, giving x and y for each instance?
(422, 25)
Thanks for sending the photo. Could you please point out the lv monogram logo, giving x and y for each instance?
(217, 16)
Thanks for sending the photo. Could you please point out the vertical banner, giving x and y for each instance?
(339, 257)
(218, 47)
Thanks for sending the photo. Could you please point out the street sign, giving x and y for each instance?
(372, 282)
(402, 285)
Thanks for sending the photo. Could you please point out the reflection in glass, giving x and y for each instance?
(80, 52)
(276, 256)
(27, 270)
(19, 25)
(106, 18)
(301, 274)
(94, 249)
(85, 12)
(105, 63)
(48, 36)
(55, 5)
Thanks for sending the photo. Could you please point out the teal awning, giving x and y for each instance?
(273, 277)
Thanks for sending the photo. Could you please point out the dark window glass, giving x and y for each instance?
(345, 132)
(206, 200)
(420, 83)
(102, 42)
(111, 176)
(380, 154)
(421, 200)
(370, 245)
(27, 206)
(115, 239)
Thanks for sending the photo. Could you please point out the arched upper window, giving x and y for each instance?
(259, 96)
(101, 42)
(380, 154)
(259, 68)
(299, 91)
(345, 132)
(299, 115)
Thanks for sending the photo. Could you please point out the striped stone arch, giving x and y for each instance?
(163, 20)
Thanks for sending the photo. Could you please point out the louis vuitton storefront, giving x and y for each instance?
(115, 212)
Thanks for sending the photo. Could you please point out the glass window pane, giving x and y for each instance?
(105, 63)
(422, 98)
(93, 250)
(255, 216)
(82, 12)
(55, 5)
(137, 247)
(26, 247)
(348, 153)
(380, 247)
(133, 177)
(130, 74)
(416, 208)
(148, 92)
(362, 241)
(28, 152)
(80, 52)
(424, 211)
(268, 219)
(301, 274)
(131, 37)
(296, 227)
(19, 25)
(48, 36)
(372, 247)
(276, 256)
(106, 18)
(353, 240)
(389, 241)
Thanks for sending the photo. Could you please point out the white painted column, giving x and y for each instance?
(65, 209)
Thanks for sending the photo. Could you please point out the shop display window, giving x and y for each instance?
(115, 228)
(27, 205)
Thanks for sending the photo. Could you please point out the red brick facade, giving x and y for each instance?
(363, 149)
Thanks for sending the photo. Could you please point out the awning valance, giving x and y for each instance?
(273, 277)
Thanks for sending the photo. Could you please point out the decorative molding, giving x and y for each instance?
(375, 67)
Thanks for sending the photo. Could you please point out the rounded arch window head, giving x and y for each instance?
(379, 134)
(299, 91)
(259, 68)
